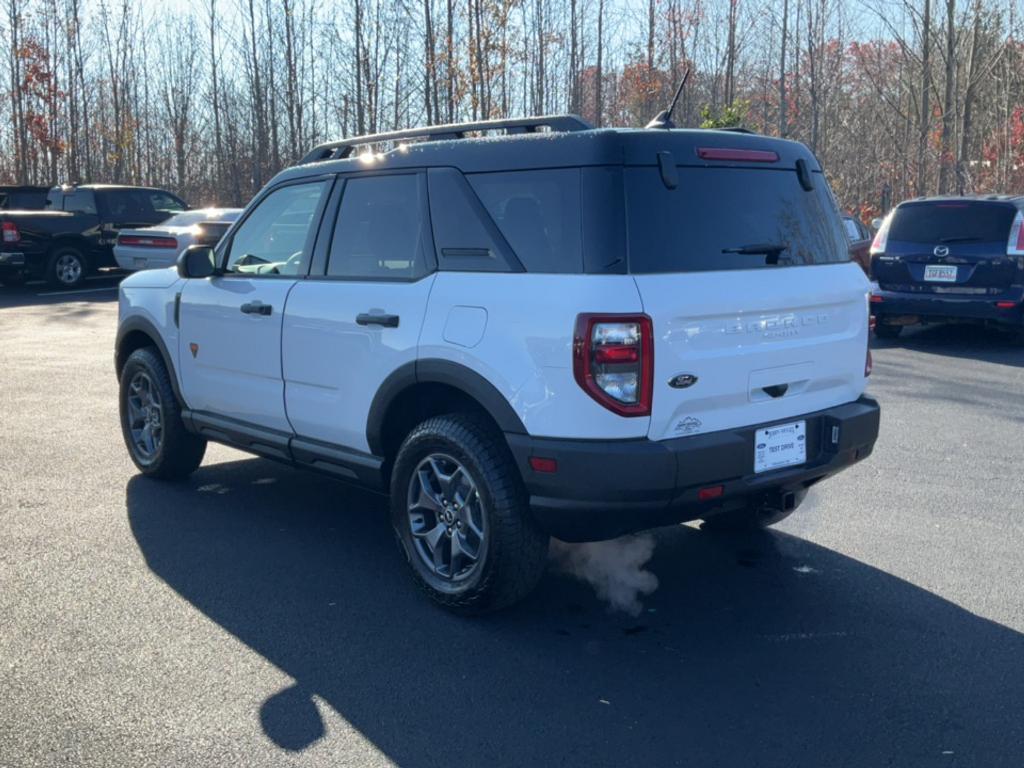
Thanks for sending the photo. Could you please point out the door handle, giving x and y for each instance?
(388, 321)
(256, 308)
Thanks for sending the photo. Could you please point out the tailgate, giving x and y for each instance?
(948, 246)
(758, 313)
(791, 341)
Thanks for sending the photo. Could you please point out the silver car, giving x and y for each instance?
(158, 247)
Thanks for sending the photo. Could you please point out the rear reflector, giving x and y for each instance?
(876, 299)
(540, 464)
(711, 492)
(745, 155)
(1006, 304)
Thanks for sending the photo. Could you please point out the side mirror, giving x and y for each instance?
(196, 261)
(876, 224)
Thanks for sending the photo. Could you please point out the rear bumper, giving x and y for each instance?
(912, 308)
(12, 263)
(604, 489)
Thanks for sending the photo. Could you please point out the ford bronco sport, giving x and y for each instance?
(518, 329)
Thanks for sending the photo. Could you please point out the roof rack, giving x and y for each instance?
(338, 150)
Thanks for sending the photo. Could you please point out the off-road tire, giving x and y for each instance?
(516, 549)
(57, 272)
(180, 452)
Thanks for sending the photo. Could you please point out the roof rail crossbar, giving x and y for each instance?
(338, 150)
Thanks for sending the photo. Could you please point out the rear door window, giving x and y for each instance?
(80, 201)
(955, 221)
(381, 228)
(730, 218)
(538, 213)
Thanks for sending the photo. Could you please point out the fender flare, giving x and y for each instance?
(141, 324)
(435, 371)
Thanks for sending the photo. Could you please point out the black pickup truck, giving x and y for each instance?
(76, 232)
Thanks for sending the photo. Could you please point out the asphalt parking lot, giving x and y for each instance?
(259, 616)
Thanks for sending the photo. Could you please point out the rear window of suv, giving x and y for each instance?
(953, 221)
(717, 218)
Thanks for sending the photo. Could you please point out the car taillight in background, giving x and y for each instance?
(10, 232)
(881, 236)
(1015, 243)
(136, 241)
(613, 361)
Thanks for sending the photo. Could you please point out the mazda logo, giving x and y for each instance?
(941, 250)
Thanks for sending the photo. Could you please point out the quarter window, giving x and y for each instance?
(538, 212)
(380, 229)
(275, 239)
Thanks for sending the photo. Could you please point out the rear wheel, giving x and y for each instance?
(461, 516)
(151, 422)
(885, 331)
(67, 267)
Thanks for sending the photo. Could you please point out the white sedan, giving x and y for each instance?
(157, 247)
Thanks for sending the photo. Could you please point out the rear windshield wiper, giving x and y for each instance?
(757, 249)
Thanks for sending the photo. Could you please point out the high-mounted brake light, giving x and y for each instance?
(10, 232)
(613, 361)
(745, 155)
(1015, 243)
(881, 237)
(147, 242)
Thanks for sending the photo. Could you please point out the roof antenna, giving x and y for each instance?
(664, 118)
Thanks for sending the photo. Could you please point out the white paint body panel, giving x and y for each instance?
(332, 366)
(237, 370)
(741, 331)
(526, 347)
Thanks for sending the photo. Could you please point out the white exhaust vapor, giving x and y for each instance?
(615, 569)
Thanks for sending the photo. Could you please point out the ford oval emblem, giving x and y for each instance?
(682, 381)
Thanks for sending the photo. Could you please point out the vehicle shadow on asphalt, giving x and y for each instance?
(762, 650)
(96, 290)
(971, 342)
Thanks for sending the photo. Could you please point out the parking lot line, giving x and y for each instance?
(83, 290)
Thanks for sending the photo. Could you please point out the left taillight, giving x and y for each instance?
(613, 361)
(10, 232)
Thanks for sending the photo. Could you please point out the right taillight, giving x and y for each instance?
(613, 361)
(10, 232)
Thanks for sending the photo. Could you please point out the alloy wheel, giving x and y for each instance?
(446, 517)
(68, 269)
(145, 417)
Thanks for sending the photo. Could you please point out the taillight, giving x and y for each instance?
(613, 361)
(1015, 244)
(10, 232)
(881, 237)
(147, 242)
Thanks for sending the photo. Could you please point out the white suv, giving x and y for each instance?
(542, 329)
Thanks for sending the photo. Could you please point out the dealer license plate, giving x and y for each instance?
(940, 274)
(784, 445)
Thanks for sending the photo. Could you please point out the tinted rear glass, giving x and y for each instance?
(699, 225)
(953, 221)
(538, 212)
(25, 200)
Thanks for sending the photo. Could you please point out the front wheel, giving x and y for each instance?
(460, 513)
(151, 421)
(67, 268)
